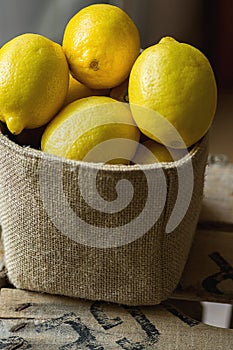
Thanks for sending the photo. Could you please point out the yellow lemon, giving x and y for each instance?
(78, 90)
(152, 152)
(101, 43)
(34, 77)
(173, 93)
(95, 129)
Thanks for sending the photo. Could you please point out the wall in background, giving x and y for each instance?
(46, 17)
(159, 18)
(206, 24)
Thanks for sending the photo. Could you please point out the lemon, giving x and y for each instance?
(78, 90)
(34, 77)
(101, 43)
(80, 131)
(173, 93)
(153, 152)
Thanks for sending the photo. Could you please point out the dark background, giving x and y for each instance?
(206, 24)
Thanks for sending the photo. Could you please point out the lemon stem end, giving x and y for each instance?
(14, 125)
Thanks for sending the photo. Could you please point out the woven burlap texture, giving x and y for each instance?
(39, 256)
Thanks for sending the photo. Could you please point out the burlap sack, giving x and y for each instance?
(56, 241)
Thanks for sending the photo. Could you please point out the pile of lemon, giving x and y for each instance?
(99, 91)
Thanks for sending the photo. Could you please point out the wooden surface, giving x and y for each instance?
(208, 274)
(38, 321)
(30, 320)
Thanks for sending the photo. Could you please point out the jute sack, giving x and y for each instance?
(75, 229)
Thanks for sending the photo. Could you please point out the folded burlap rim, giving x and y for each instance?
(34, 153)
